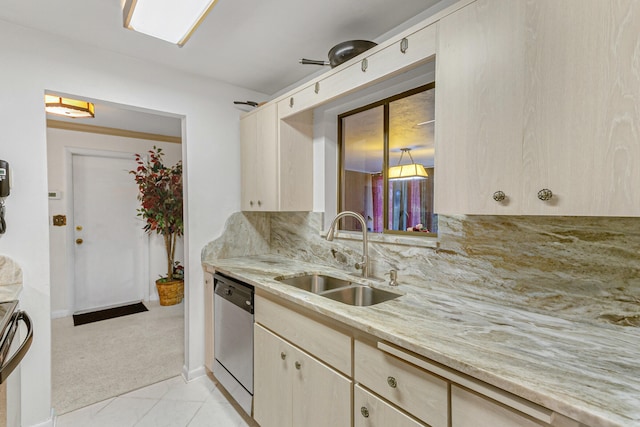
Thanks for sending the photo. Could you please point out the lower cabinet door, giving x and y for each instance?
(294, 389)
(371, 411)
(471, 410)
(321, 395)
(273, 363)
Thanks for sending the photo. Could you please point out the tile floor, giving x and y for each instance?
(170, 403)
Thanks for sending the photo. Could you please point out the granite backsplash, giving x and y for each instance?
(578, 268)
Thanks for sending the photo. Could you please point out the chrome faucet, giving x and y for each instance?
(364, 264)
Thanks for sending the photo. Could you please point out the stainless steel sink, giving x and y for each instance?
(360, 295)
(340, 290)
(316, 283)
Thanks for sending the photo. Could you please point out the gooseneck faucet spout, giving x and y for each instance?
(364, 264)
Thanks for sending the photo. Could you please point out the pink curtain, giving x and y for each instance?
(414, 205)
(378, 199)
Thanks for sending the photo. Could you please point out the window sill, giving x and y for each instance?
(389, 239)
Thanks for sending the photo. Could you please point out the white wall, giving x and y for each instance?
(57, 141)
(33, 62)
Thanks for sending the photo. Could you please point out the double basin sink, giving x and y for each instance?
(339, 289)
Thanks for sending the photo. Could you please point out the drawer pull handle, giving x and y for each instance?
(298, 365)
(291, 102)
(317, 88)
(283, 355)
(545, 194)
(499, 196)
(364, 65)
(364, 411)
(392, 382)
(404, 45)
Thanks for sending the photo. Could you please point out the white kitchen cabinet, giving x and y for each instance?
(373, 66)
(469, 409)
(582, 97)
(538, 95)
(259, 160)
(371, 411)
(479, 99)
(327, 344)
(276, 161)
(416, 391)
(292, 388)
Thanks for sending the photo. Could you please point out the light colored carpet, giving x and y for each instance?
(99, 360)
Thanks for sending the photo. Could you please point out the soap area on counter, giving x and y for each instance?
(546, 308)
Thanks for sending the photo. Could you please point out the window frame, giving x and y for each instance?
(385, 156)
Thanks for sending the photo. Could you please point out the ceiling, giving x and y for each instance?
(254, 44)
(127, 118)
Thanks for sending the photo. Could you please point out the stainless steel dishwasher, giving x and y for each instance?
(233, 338)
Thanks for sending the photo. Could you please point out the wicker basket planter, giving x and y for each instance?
(170, 292)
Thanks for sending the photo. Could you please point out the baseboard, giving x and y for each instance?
(51, 422)
(193, 374)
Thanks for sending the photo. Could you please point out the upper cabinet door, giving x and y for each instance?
(479, 108)
(259, 160)
(582, 107)
(248, 156)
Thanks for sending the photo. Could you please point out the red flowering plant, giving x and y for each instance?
(160, 194)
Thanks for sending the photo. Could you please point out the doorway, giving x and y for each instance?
(98, 248)
(111, 249)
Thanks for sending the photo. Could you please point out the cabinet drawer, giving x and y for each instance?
(371, 411)
(472, 410)
(327, 344)
(420, 393)
(302, 100)
(418, 47)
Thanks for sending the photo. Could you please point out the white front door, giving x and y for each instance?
(110, 251)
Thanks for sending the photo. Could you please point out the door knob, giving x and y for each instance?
(79, 241)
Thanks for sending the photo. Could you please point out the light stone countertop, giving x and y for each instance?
(588, 372)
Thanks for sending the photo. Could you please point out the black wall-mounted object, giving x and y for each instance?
(5, 190)
(4, 179)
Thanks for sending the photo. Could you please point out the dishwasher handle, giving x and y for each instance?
(238, 293)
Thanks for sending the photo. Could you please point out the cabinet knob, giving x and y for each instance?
(392, 382)
(291, 102)
(298, 365)
(250, 202)
(404, 45)
(364, 411)
(283, 355)
(545, 194)
(364, 65)
(79, 241)
(317, 87)
(259, 203)
(499, 196)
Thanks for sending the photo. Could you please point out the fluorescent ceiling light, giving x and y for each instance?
(170, 20)
(68, 107)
